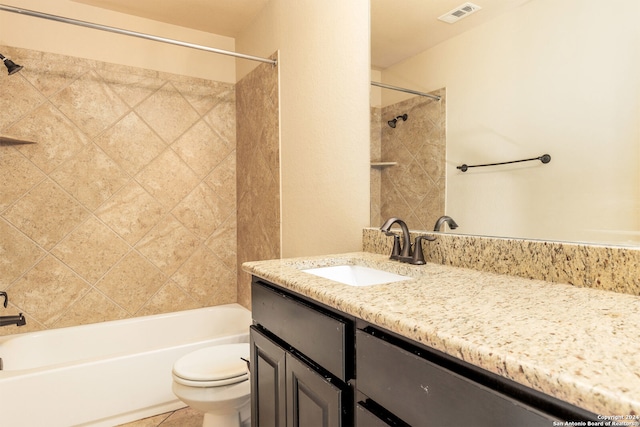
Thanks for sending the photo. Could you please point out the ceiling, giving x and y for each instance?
(400, 28)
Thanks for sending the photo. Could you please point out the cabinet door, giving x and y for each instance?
(268, 396)
(312, 401)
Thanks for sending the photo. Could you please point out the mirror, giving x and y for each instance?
(519, 79)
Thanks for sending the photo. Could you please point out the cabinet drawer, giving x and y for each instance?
(422, 393)
(318, 335)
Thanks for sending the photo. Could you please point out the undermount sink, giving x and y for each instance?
(356, 275)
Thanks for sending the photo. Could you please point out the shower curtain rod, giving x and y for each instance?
(401, 89)
(132, 33)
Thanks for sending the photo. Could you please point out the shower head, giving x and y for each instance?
(393, 122)
(12, 67)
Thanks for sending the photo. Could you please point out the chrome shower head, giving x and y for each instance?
(12, 67)
(393, 122)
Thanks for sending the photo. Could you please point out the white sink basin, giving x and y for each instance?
(356, 275)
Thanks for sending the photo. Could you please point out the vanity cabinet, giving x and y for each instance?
(301, 361)
(312, 365)
(401, 383)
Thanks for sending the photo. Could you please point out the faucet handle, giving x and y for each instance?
(418, 255)
(6, 298)
(395, 252)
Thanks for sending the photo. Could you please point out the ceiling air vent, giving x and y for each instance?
(459, 12)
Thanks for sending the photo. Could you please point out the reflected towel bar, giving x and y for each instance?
(545, 158)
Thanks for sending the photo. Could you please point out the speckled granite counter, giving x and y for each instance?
(580, 345)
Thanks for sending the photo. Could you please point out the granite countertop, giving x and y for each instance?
(580, 345)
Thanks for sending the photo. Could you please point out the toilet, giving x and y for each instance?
(215, 380)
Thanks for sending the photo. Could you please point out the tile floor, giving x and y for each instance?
(181, 418)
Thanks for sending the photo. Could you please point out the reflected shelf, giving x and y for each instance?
(383, 164)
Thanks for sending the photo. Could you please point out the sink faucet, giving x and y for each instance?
(404, 253)
(398, 251)
(18, 320)
(442, 220)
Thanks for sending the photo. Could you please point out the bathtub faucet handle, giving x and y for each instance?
(6, 298)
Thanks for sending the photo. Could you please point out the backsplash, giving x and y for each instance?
(126, 204)
(608, 268)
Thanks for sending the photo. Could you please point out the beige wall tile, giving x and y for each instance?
(133, 86)
(94, 307)
(131, 143)
(201, 212)
(47, 291)
(222, 118)
(202, 148)
(223, 180)
(168, 245)
(223, 242)
(46, 214)
(168, 179)
(170, 298)
(132, 282)
(90, 103)
(413, 189)
(102, 178)
(91, 176)
(204, 95)
(207, 279)
(17, 254)
(50, 73)
(17, 175)
(131, 212)
(91, 249)
(18, 98)
(168, 113)
(258, 177)
(57, 139)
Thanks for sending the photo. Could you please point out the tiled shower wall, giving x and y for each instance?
(258, 171)
(126, 203)
(414, 188)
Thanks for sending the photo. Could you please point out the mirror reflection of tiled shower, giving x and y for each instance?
(408, 176)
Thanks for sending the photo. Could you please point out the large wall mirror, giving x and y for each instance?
(518, 79)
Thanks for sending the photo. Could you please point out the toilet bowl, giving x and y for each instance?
(215, 380)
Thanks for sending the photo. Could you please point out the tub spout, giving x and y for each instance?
(18, 320)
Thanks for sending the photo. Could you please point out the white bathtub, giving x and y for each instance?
(106, 373)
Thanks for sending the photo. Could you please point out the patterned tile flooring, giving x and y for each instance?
(181, 418)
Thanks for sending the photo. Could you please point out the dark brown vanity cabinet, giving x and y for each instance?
(312, 365)
(301, 362)
(401, 383)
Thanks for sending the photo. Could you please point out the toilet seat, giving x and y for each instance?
(214, 366)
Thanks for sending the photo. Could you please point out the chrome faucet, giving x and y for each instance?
(18, 320)
(442, 220)
(404, 253)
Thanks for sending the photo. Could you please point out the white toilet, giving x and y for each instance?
(215, 380)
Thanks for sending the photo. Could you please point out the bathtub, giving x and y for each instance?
(108, 373)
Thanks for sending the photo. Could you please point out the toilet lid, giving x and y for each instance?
(214, 363)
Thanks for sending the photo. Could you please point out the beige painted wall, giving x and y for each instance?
(40, 34)
(557, 77)
(324, 95)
